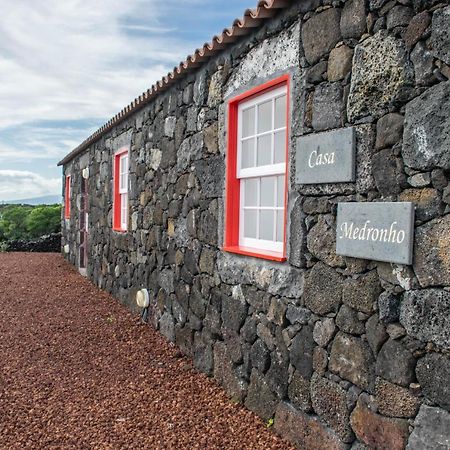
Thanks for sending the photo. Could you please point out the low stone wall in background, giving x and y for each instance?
(45, 244)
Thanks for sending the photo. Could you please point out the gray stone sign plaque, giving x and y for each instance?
(327, 157)
(379, 231)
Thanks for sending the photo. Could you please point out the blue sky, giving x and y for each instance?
(66, 67)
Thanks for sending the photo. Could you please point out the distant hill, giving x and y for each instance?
(45, 200)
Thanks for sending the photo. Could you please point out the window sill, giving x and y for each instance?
(257, 253)
(120, 230)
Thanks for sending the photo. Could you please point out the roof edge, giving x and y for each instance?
(252, 19)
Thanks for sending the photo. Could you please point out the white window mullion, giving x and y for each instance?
(264, 241)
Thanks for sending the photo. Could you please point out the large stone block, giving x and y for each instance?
(347, 320)
(234, 312)
(260, 399)
(274, 278)
(425, 144)
(327, 107)
(362, 293)
(395, 401)
(377, 431)
(272, 55)
(340, 62)
(396, 363)
(211, 174)
(425, 314)
(329, 401)
(382, 76)
(352, 359)
(431, 430)
(298, 392)
(225, 374)
(304, 431)
(440, 34)
(301, 351)
(389, 130)
(321, 242)
(353, 19)
(320, 34)
(427, 202)
(432, 373)
(323, 289)
(432, 253)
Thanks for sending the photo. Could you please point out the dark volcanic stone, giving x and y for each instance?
(298, 392)
(416, 27)
(260, 399)
(260, 356)
(440, 34)
(432, 373)
(347, 320)
(425, 145)
(363, 292)
(323, 289)
(425, 314)
(389, 130)
(304, 431)
(388, 307)
(395, 363)
(431, 430)
(353, 19)
(352, 359)
(301, 351)
(327, 106)
(320, 34)
(329, 401)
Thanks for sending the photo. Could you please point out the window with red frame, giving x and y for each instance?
(67, 195)
(121, 190)
(256, 171)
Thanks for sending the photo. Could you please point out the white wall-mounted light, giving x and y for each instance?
(85, 173)
(143, 298)
(66, 248)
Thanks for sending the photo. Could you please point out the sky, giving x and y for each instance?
(66, 67)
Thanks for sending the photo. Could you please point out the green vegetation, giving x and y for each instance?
(28, 222)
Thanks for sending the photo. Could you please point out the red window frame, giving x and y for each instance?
(67, 196)
(117, 217)
(232, 189)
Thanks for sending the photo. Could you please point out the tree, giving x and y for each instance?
(13, 222)
(44, 220)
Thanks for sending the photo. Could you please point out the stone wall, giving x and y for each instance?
(342, 352)
(43, 244)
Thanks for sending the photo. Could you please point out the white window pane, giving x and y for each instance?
(280, 226)
(264, 150)
(268, 191)
(280, 112)
(280, 191)
(251, 192)
(248, 153)
(248, 122)
(265, 116)
(280, 147)
(266, 224)
(250, 219)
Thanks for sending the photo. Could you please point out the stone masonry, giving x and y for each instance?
(341, 352)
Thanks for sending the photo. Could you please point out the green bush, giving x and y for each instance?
(27, 222)
(44, 220)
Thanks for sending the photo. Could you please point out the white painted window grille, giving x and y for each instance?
(261, 168)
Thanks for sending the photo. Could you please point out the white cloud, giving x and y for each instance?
(68, 60)
(18, 184)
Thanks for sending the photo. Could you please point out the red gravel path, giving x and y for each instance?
(78, 371)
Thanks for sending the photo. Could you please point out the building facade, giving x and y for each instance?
(231, 191)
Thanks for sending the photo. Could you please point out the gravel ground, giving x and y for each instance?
(78, 371)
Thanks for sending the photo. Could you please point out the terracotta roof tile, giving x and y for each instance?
(252, 18)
